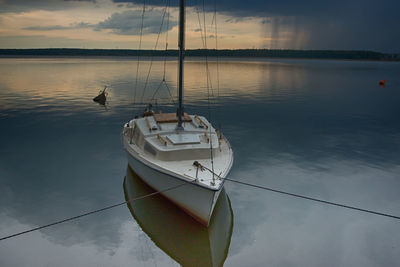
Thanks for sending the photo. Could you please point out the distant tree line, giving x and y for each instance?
(240, 53)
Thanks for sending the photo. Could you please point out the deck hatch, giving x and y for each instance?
(184, 139)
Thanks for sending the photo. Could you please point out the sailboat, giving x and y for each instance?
(180, 155)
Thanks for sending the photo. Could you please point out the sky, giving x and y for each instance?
(283, 24)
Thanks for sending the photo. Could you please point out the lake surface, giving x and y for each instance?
(325, 129)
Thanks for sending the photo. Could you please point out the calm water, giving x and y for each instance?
(321, 128)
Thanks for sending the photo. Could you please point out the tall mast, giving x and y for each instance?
(181, 58)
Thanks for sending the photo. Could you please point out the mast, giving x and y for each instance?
(181, 58)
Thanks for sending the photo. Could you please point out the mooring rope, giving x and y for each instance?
(95, 211)
(188, 182)
(304, 197)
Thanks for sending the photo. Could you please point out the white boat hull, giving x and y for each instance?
(196, 200)
(178, 163)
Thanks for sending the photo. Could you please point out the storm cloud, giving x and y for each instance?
(251, 8)
(351, 24)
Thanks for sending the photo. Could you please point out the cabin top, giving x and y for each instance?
(157, 135)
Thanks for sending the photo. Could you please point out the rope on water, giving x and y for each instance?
(197, 164)
(94, 211)
(305, 197)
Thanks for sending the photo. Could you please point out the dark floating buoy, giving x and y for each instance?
(382, 83)
(102, 97)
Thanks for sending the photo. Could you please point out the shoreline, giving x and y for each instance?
(189, 58)
(359, 55)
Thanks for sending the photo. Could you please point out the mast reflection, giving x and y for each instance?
(176, 233)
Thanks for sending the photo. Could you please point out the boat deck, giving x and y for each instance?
(156, 141)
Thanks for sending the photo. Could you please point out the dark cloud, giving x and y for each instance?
(341, 24)
(80, 25)
(238, 19)
(240, 8)
(129, 22)
(46, 28)
(26, 5)
(123, 23)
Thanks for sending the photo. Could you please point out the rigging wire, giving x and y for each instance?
(166, 40)
(166, 51)
(199, 20)
(138, 57)
(165, 61)
(203, 36)
(155, 47)
(208, 76)
(217, 58)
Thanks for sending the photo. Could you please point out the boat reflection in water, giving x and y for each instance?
(180, 236)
